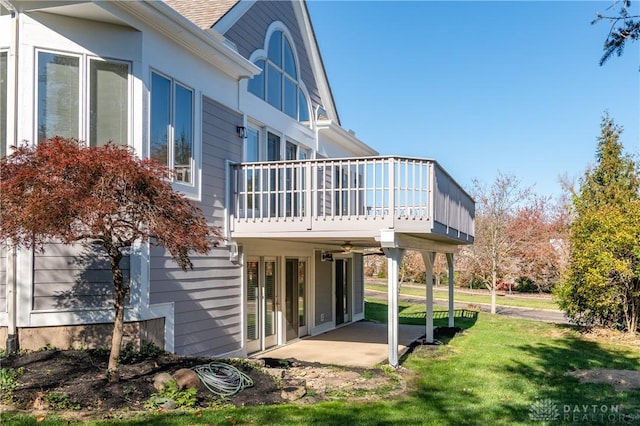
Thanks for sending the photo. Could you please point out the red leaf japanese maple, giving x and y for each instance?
(64, 191)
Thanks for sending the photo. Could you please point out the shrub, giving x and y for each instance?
(184, 398)
(526, 285)
(8, 383)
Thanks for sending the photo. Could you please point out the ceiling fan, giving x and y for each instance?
(348, 248)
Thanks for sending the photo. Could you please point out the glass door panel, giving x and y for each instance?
(291, 298)
(261, 314)
(302, 300)
(343, 290)
(270, 303)
(254, 342)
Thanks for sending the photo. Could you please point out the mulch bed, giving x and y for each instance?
(78, 380)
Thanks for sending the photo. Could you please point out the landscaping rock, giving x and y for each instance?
(39, 403)
(293, 393)
(169, 404)
(186, 379)
(160, 381)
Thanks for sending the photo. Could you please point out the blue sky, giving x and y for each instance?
(481, 87)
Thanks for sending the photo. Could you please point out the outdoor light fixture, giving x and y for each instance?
(242, 131)
(233, 251)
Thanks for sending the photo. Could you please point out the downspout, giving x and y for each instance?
(12, 92)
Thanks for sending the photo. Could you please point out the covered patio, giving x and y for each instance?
(360, 344)
(345, 206)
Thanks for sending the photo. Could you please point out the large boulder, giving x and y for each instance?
(186, 379)
(160, 380)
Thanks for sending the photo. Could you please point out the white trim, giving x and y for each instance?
(208, 45)
(313, 50)
(139, 287)
(233, 16)
(24, 286)
(166, 311)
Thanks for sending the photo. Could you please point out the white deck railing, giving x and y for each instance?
(389, 190)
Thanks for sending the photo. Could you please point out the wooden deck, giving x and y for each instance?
(349, 199)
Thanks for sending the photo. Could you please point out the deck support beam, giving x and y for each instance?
(429, 259)
(451, 301)
(394, 258)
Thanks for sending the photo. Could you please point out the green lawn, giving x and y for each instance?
(522, 302)
(490, 375)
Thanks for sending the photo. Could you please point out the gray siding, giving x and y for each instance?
(73, 276)
(249, 32)
(220, 143)
(207, 299)
(358, 284)
(323, 290)
(3, 277)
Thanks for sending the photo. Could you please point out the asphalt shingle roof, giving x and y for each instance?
(203, 13)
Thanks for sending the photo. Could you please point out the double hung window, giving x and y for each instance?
(82, 97)
(172, 123)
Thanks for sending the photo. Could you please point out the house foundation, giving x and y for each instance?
(89, 336)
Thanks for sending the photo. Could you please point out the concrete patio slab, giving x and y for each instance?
(361, 344)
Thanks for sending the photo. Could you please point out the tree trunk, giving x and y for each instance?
(120, 293)
(494, 284)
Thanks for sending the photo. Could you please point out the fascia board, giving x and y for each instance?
(208, 45)
(341, 136)
(313, 49)
(232, 16)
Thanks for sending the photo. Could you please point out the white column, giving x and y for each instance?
(394, 257)
(451, 301)
(429, 258)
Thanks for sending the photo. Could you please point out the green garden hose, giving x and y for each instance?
(222, 379)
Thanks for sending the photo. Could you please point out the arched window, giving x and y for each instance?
(278, 83)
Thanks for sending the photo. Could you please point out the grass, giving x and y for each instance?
(521, 302)
(413, 314)
(492, 374)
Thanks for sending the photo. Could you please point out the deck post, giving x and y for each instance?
(394, 257)
(451, 301)
(429, 258)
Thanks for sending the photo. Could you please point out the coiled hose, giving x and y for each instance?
(222, 379)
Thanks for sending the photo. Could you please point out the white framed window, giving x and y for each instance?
(82, 97)
(3, 103)
(172, 126)
(252, 145)
(279, 83)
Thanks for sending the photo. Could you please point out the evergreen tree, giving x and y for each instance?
(602, 283)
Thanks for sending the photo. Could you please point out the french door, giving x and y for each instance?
(295, 298)
(343, 290)
(262, 299)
